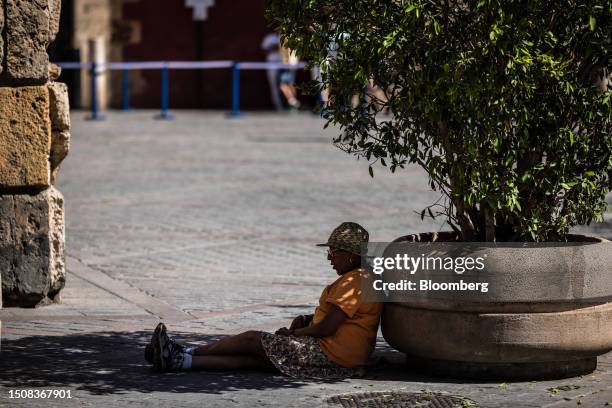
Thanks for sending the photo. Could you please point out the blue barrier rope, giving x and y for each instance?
(236, 67)
(145, 65)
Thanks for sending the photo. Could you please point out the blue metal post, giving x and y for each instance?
(165, 94)
(125, 91)
(235, 91)
(95, 114)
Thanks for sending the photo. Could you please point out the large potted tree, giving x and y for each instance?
(507, 106)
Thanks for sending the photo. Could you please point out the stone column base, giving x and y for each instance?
(32, 259)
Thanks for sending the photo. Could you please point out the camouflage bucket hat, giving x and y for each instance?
(349, 236)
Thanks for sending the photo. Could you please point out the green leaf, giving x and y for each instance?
(592, 23)
(371, 171)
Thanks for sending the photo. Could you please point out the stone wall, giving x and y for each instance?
(34, 139)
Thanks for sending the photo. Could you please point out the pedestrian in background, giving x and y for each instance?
(287, 78)
(271, 45)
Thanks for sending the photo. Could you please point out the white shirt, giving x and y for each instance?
(271, 44)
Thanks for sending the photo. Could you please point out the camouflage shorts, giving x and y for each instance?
(302, 357)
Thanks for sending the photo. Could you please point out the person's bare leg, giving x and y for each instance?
(248, 343)
(288, 91)
(229, 363)
(290, 94)
(325, 97)
(274, 94)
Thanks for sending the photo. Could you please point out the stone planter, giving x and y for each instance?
(552, 320)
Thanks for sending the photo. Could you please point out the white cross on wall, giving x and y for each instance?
(200, 8)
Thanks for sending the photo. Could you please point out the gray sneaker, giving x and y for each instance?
(167, 354)
(148, 352)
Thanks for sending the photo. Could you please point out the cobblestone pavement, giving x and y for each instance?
(208, 223)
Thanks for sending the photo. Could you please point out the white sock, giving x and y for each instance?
(187, 359)
(190, 350)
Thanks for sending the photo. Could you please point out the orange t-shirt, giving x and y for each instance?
(355, 338)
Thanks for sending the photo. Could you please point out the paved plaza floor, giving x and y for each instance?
(209, 224)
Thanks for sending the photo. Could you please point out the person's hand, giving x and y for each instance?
(283, 331)
(298, 323)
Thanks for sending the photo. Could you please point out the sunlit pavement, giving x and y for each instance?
(209, 224)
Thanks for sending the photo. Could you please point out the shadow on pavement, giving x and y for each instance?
(112, 363)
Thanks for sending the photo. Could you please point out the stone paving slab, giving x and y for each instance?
(209, 224)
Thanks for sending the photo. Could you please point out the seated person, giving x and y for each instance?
(335, 342)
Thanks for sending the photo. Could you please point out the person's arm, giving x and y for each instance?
(344, 301)
(297, 323)
(300, 321)
(326, 327)
(308, 319)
